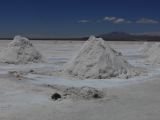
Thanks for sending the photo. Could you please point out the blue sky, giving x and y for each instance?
(61, 18)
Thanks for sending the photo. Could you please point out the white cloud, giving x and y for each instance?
(83, 21)
(116, 20)
(119, 20)
(110, 18)
(147, 21)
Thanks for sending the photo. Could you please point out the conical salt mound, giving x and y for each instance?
(152, 49)
(154, 54)
(98, 60)
(20, 51)
(145, 48)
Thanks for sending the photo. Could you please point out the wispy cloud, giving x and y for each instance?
(110, 19)
(147, 21)
(119, 20)
(83, 21)
(116, 20)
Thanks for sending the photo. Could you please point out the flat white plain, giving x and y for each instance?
(127, 99)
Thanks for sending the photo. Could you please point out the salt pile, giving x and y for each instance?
(84, 93)
(152, 51)
(81, 93)
(20, 51)
(145, 47)
(98, 60)
(154, 54)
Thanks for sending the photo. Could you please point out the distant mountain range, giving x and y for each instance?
(150, 33)
(115, 35)
(123, 36)
(112, 36)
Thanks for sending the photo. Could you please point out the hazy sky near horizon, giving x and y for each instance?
(78, 17)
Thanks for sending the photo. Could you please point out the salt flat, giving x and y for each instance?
(136, 98)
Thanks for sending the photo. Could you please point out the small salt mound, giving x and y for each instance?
(77, 93)
(83, 93)
(145, 47)
(152, 49)
(154, 54)
(98, 60)
(20, 51)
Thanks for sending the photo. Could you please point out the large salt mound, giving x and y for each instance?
(20, 51)
(98, 60)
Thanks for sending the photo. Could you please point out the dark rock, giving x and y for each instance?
(56, 96)
(31, 71)
(96, 96)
